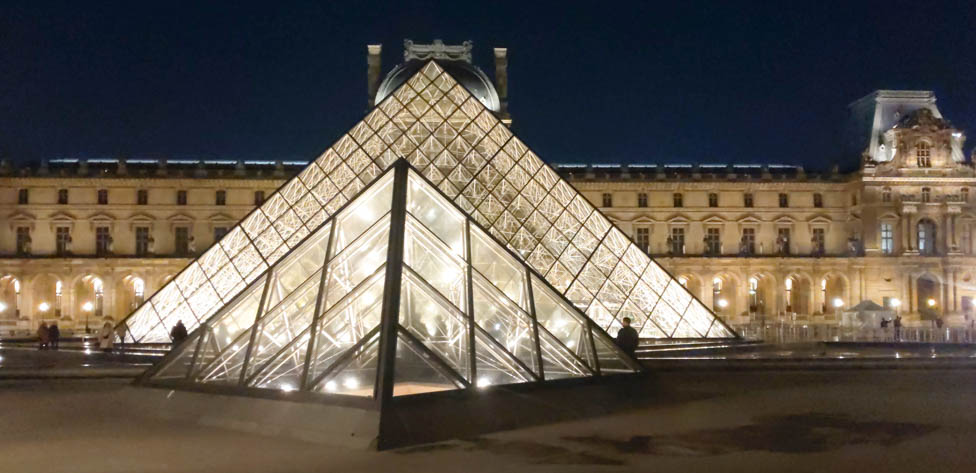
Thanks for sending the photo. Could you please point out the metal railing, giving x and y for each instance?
(799, 333)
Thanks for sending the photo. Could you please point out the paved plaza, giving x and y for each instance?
(698, 420)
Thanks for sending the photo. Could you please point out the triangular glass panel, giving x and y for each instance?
(561, 320)
(611, 358)
(355, 373)
(558, 361)
(433, 320)
(179, 366)
(505, 322)
(418, 371)
(494, 365)
(284, 372)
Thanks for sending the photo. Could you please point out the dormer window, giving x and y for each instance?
(923, 154)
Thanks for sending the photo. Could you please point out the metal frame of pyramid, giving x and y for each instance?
(400, 287)
(473, 159)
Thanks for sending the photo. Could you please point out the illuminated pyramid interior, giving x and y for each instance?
(399, 289)
(474, 160)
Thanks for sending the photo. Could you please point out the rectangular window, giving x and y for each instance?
(102, 241)
(181, 239)
(607, 200)
(142, 241)
(103, 197)
(748, 241)
(783, 241)
(713, 241)
(62, 196)
(676, 241)
(23, 241)
(180, 197)
(819, 241)
(713, 200)
(23, 197)
(219, 233)
(142, 197)
(62, 238)
(886, 194)
(784, 200)
(258, 197)
(887, 238)
(221, 198)
(642, 199)
(747, 199)
(678, 200)
(643, 238)
(817, 200)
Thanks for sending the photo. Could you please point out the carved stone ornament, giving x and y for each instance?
(437, 50)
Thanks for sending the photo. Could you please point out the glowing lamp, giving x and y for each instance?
(931, 302)
(44, 306)
(723, 303)
(895, 302)
(3, 307)
(87, 307)
(838, 303)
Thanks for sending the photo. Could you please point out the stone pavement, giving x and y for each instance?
(759, 420)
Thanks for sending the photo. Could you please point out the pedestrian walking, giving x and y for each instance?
(106, 337)
(54, 334)
(43, 336)
(178, 334)
(627, 338)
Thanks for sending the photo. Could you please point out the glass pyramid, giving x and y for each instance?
(473, 159)
(399, 291)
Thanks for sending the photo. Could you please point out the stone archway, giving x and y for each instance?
(10, 297)
(928, 296)
(725, 295)
(692, 283)
(835, 293)
(799, 294)
(762, 294)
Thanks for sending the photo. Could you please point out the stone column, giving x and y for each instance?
(912, 291)
(501, 84)
(373, 69)
(906, 241)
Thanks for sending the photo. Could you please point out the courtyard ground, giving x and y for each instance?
(701, 420)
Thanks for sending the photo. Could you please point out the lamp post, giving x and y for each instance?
(87, 308)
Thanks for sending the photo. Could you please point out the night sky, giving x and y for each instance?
(600, 82)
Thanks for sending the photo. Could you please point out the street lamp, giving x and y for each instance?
(838, 303)
(723, 303)
(930, 302)
(43, 306)
(87, 308)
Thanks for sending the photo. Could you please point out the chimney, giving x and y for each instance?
(373, 71)
(501, 84)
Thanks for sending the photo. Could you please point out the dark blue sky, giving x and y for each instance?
(596, 82)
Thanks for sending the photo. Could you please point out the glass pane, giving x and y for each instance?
(433, 321)
(437, 214)
(505, 322)
(238, 316)
(498, 266)
(415, 374)
(433, 262)
(300, 264)
(357, 262)
(561, 320)
(494, 366)
(363, 212)
(283, 323)
(179, 365)
(285, 371)
(358, 376)
(346, 324)
(226, 366)
(557, 361)
(612, 360)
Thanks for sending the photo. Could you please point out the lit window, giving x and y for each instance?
(784, 200)
(747, 200)
(926, 237)
(887, 238)
(642, 199)
(103, 197)
(678, 200)
(713, 199)
(923, 155)
(817, 200)
(607, 200)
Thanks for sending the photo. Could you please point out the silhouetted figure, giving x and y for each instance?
(884, 323)
(54, 334)
(178, 334)
(897, 328)
(120, 332)
(627, 338)
(43, 336)
(106, 337)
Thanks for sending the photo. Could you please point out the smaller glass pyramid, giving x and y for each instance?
(400, 293)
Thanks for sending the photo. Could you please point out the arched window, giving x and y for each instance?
(926, 237)
(926, 195)
(923, 155)
(886, 194)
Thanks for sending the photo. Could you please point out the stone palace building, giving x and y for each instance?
(83, 241)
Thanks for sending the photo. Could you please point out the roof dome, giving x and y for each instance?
(465, 73)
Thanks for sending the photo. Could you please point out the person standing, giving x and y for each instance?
(120, 332)
(179, 333)
(627, 338)
(106, 337)
(43, 336)
(897, 328)
(54, 334)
